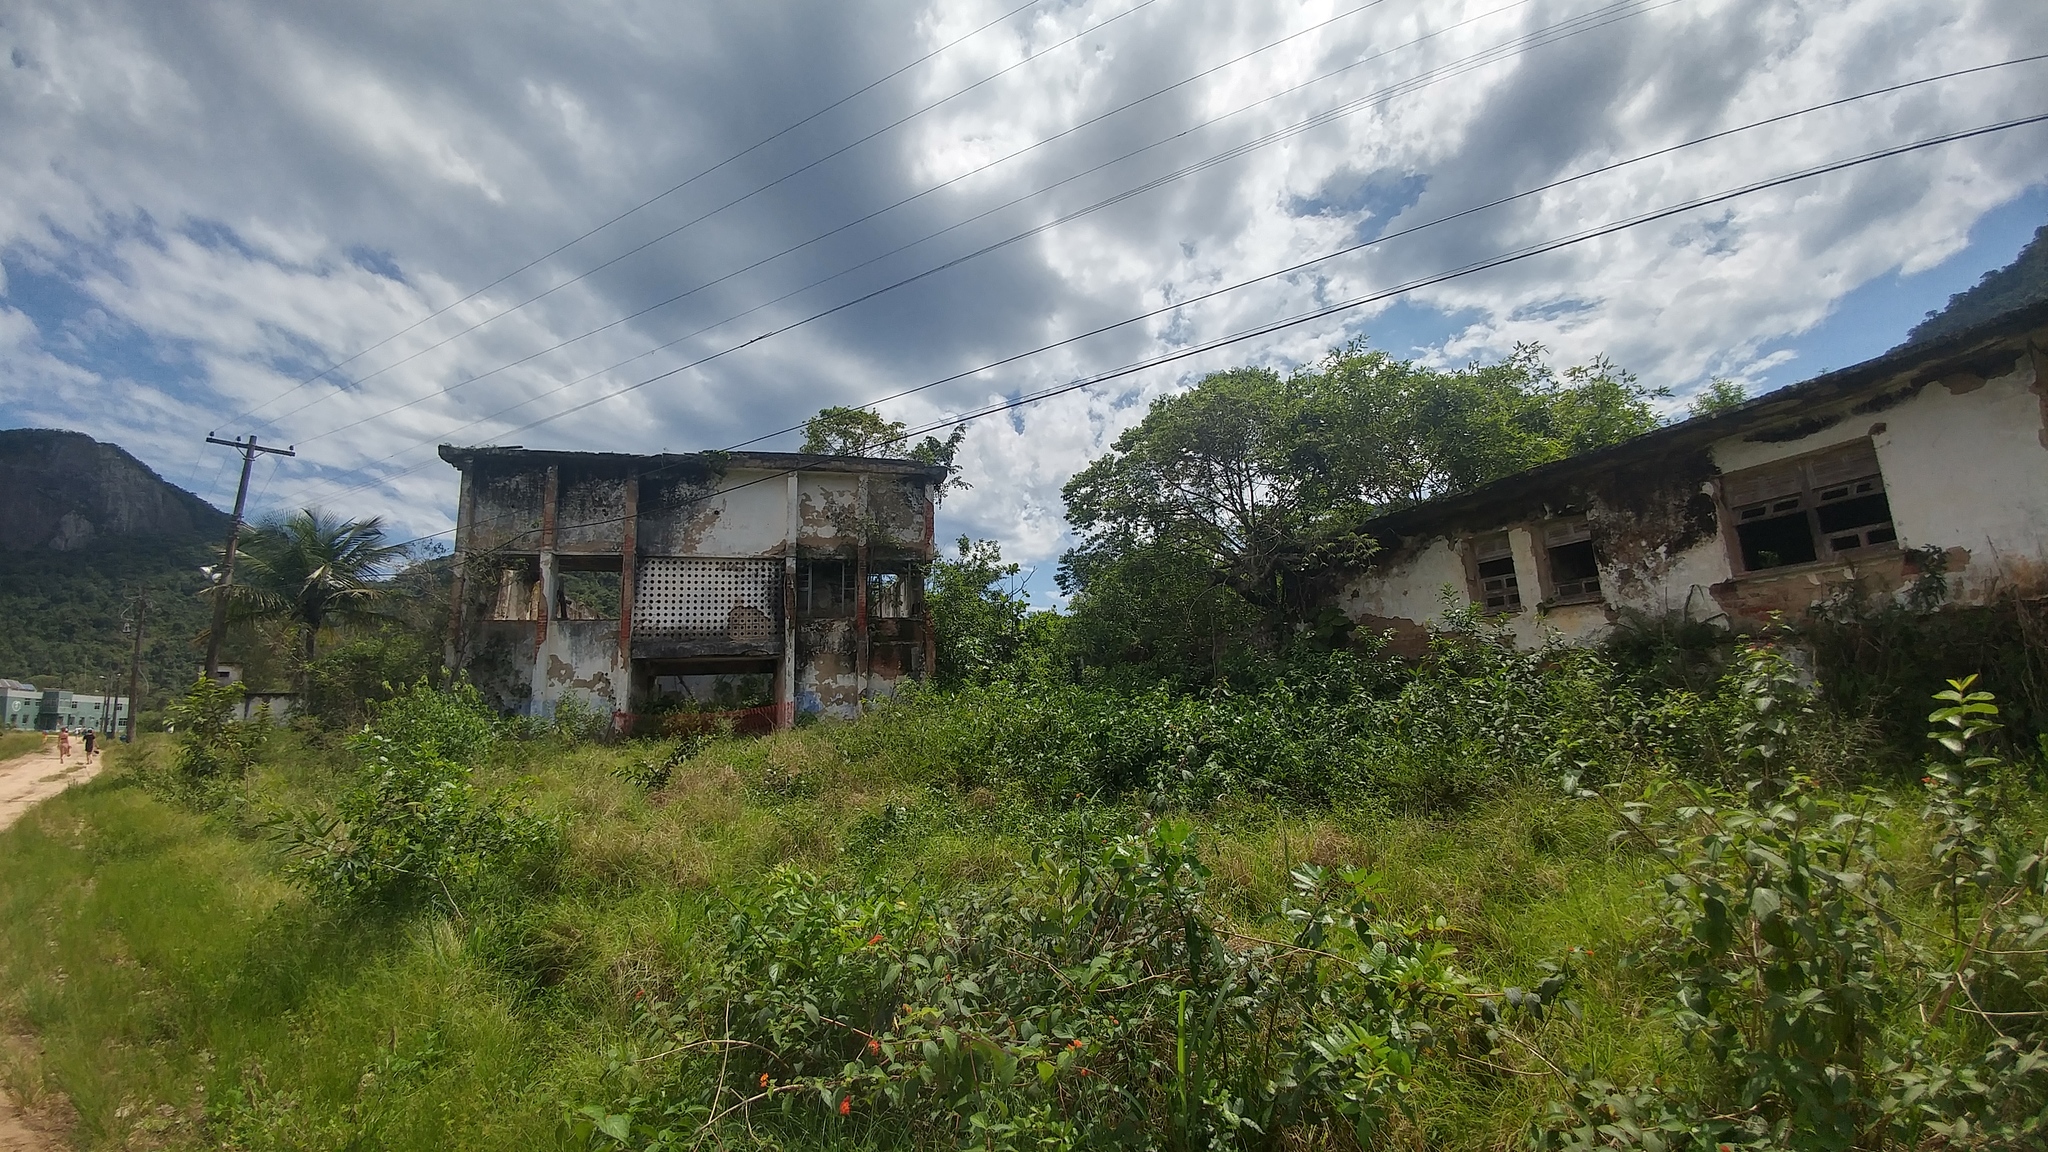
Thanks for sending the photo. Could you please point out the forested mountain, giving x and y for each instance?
(84, 527)
(2018, 284)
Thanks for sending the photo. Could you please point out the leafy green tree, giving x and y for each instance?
(837, 431)
(1720, 395)
(312, 569)
(1207, 524)
(977, 611)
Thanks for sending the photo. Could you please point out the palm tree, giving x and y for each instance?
(311, 569)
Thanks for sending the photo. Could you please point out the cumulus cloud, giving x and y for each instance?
(207, 204)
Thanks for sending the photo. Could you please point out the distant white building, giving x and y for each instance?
(24, 706)
(19, 704)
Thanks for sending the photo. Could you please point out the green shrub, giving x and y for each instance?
(414, 827)
(1096, 1000)
(345, 682)
(576, 721)
(1835, 1020)
(1476, 716)
(214, 750)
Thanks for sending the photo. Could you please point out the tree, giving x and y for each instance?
(1207, 524)
(1720, 395)
(976, 610)
(311, 569)
(837, 431)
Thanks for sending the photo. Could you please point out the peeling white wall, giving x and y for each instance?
(1970, 471)
(1963, 467)
(1411, 585)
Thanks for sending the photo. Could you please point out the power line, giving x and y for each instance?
(757, 190)
(1278, 273)
(929, 190)
(1571, 27)
(1512, 257)
(649, 202)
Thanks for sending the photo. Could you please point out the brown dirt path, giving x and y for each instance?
(38, 776)
(24, 781)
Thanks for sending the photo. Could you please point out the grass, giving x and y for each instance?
(185, 997)
(16, 743)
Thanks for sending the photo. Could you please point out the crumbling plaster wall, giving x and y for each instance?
(1965, 463)
(579, 658)
(746, 515)
(743, 512)
(590, 513)
(1968, 473)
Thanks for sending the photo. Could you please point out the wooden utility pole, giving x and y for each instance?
(225, 578)
(135, 663)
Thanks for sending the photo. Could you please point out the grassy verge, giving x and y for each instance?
(14, 744)
(187, 998)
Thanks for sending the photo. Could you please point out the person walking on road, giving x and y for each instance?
(63, 745)
(91, 738)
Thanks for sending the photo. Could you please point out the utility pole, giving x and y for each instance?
(225, 578)
(135, 662)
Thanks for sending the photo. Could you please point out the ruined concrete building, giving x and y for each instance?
(1929, 460)
(762, 585)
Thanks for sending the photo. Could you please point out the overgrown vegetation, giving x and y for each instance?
(1499, 898)
(1187, 867)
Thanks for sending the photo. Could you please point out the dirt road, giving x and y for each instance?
(25, 780)
(37, 776)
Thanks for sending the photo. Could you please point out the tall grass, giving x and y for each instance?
(187, 996)
(13, 743)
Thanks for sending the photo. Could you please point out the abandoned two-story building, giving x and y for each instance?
(1933, 452)
(762, 585)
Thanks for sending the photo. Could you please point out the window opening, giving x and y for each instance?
(1574, 569)
(518, 593)
(886, 596)
(588, 595)
(1494, 562)
(1817, 508)
(825, 588)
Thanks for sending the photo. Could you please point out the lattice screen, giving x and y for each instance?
(676, 596)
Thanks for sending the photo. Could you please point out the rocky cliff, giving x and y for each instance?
(62, 491)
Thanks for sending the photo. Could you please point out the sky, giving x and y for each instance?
(368, 229)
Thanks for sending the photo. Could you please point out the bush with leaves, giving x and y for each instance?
(1094, 1001)
(1477, 715)
(1836, 1020)
(214, 748)
(414, 826)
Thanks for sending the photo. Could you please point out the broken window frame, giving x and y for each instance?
(577, 564)
(1806, 488)
(889, 595)
(824, 589)
(514, 594)
(1497, 592)
(1569, 532)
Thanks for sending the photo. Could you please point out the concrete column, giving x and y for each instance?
(860, 596)
(547, 555)
(465, 511)
(785, 696)
(629, 554)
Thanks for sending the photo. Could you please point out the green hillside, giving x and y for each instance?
(2018, 284)
(84, 528)
(65, 612)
